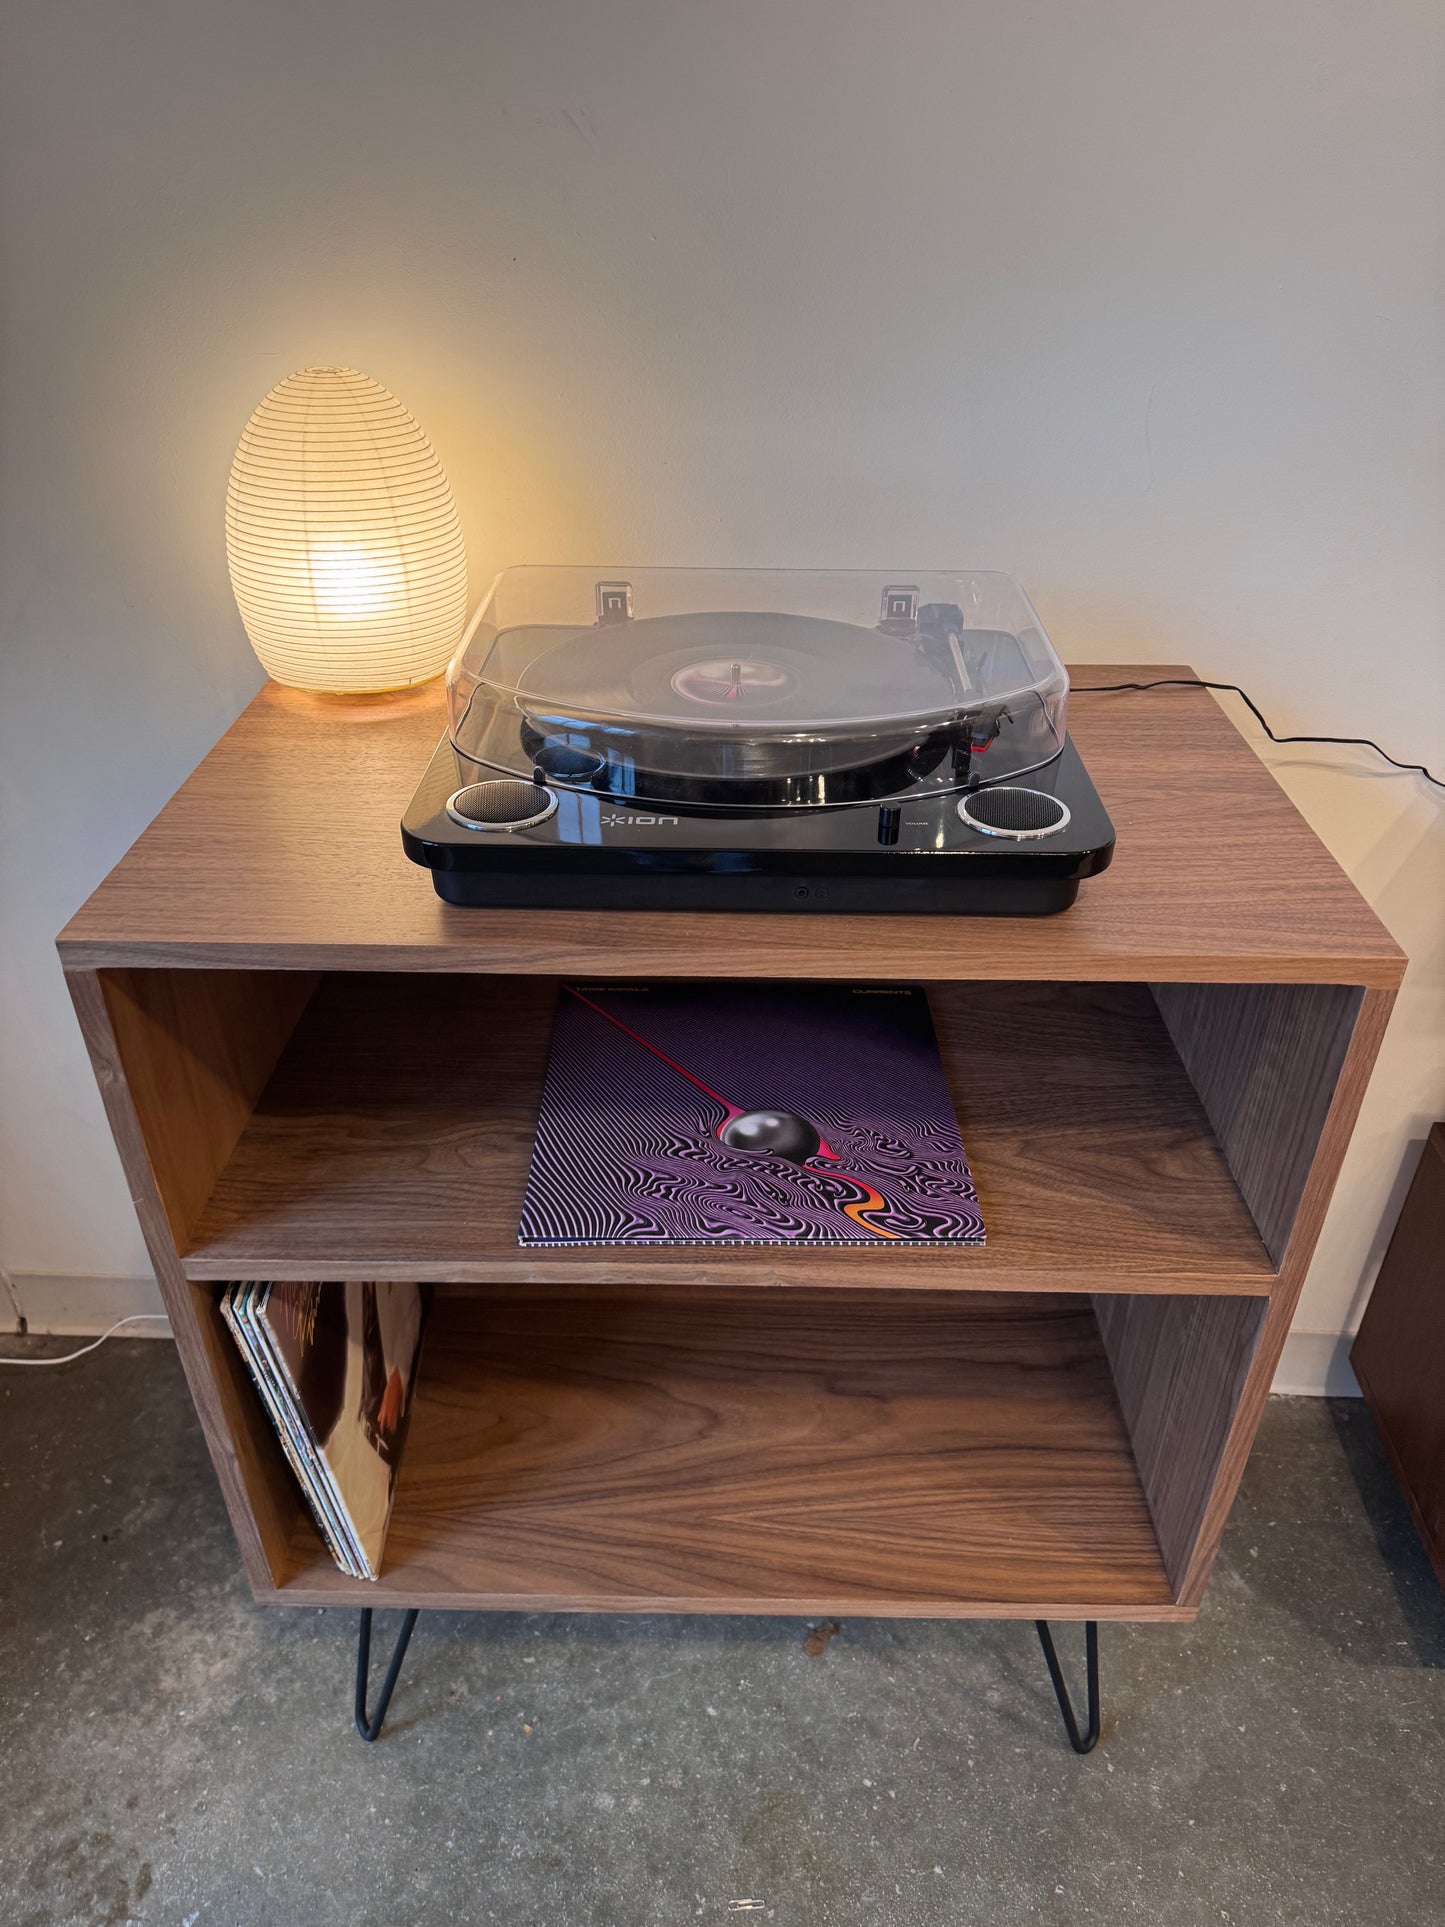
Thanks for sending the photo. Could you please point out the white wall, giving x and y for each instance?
(1142, 303)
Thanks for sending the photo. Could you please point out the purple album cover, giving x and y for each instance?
(746, 1113)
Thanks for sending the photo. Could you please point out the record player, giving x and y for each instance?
(681, 739)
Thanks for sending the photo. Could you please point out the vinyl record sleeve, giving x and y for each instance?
(746, 1113)
(336, 1367)
(237, 1308)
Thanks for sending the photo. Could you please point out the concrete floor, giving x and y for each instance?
(170, 1753)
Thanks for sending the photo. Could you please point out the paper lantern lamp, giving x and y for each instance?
(342, 538)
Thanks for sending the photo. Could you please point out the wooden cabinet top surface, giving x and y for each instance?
(283, 850)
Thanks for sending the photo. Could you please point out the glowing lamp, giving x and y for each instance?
(342, 537)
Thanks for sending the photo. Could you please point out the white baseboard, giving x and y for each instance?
(78, 1305)
(1317, 1365)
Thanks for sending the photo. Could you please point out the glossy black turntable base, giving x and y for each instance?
(608, 851)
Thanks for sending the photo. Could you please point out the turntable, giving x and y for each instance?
(687, 739)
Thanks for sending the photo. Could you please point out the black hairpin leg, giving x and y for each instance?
(1086, 1741)
(370, 1727)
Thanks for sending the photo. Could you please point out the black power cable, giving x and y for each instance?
(1233, 688)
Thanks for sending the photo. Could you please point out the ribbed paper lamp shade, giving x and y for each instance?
(345, 551)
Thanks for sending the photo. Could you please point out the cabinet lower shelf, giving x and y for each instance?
(795, 1453)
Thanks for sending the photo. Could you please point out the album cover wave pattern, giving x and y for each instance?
(842, 1084)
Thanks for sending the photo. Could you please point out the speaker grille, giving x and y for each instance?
(1013, 812)
(506, 804)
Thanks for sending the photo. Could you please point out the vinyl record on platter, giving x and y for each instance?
(747, 709)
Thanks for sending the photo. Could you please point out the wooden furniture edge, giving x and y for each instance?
(533, 1267)
(1376, 973)
(260, 1494)
(360, 1592)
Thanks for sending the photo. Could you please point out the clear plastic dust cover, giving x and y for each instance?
(756, 688)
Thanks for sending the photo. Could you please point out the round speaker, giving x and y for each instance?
(1013, 812)
(505, 804)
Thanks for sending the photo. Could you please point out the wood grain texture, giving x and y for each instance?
(1179, 1366)
(1399, 1352)
(1364, 1046)
(283, 849)
(395, 1138)
(198, 1047)
(801, 1453)
(260, 1493)
(932, 1449)
(1264, 1059)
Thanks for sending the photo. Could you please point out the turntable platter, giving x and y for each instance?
(740, 709)
(739, 672)
(736, 689)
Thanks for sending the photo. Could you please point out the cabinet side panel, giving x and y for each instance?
(197, 1047)
(1344, 1108)
(1180, 1366)
(260, 1494)
(1264, 1059)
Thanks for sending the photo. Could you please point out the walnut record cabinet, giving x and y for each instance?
(315, 1069)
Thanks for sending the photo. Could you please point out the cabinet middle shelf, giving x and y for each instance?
(393, 1141)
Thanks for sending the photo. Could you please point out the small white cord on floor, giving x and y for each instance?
(136, 1318)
